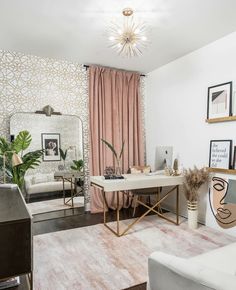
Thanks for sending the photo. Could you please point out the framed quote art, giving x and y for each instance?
(219, 103)
(220, 154)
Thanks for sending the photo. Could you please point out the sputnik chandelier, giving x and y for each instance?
(128, 38)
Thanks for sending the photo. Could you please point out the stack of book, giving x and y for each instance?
(12, 282)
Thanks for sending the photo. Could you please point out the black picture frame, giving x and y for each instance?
(234, 159)
(51, 142)
(230, 142)
(209, 94)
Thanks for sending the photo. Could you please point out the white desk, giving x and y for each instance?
(138, 181)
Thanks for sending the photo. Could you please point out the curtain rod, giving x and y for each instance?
(87, 66)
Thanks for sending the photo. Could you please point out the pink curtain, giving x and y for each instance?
(115, 115)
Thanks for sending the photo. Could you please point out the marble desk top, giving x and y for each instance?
(135, 181)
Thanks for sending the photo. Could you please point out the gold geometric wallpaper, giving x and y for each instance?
(28, 83)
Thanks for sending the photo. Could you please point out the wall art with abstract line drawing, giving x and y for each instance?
(219, 102)
(222, 200)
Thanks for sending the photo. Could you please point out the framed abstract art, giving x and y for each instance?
(219, 103)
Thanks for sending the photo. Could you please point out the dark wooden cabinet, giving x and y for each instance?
(15, 235)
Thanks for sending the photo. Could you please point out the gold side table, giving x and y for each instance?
(72, 177)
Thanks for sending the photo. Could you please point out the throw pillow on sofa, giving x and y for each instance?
(39, 178)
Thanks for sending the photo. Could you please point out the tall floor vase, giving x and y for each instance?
(192, 214)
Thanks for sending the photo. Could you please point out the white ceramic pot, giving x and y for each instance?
(193, 215)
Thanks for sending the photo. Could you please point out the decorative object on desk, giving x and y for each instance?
(78, 165)
(220, 154)
(219, 102)
(176, 167)
(109, 173)
(140, 169)
(51, 145)
(63, 157)
(194, 178)
(15, 166)
(117, 157)
(109, 170)
(168, 171)
(114, 176)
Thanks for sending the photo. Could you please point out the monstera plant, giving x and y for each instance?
(30, 159)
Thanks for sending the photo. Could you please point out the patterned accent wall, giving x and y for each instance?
(28, 83)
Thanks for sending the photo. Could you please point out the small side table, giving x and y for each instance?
(72, 177)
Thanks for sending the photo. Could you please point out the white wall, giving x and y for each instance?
(176, 106)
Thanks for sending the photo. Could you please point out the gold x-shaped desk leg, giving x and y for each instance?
(152, 208)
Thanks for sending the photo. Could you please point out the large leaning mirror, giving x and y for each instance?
(56, 184)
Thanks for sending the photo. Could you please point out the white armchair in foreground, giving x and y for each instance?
(213, 270)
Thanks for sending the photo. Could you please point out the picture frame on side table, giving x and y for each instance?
(51, 144)
(219, 101)
(220, 154)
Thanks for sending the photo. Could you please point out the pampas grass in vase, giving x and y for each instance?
(194, 179)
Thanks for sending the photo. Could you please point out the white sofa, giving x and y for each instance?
(213, 270)
(40, 183)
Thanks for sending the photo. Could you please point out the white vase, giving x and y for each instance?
(193, 215)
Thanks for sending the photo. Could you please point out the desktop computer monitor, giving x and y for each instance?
(164, 155)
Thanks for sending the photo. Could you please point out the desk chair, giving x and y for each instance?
(148, 192)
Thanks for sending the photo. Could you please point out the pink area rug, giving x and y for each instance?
(93, 258)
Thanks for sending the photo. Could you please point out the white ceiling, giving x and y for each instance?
(77, 29)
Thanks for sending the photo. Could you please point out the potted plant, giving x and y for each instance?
(30, 160)
(117, 157)
(194, 179)
(78, 165)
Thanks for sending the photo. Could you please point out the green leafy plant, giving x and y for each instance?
(117, 156)
(30, 160)
(63, 155)
(78, 165)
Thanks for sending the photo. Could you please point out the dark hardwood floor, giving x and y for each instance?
(142, 286)
(74, 218)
